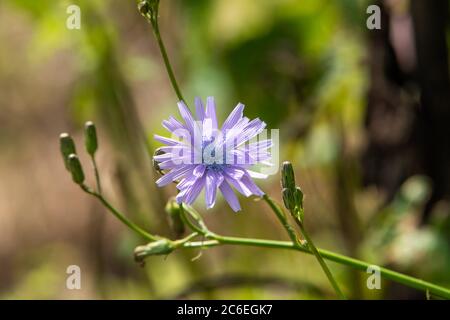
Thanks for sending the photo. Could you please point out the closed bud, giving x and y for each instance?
(159, 247)
(67, 147)
(149, 8)
(288, 199)
(174, 211)
(90, 138)
(287, 175)
(75, 169)
(298, 197)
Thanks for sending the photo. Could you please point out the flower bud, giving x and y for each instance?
(288, 199)
(90, 138)
(75, 169)
(174, 212)
(159, 247)
(287, 175)
(298, 197)
(149, 8)
(67, 147)
(144, 7)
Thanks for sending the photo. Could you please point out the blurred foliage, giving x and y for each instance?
(298, 65)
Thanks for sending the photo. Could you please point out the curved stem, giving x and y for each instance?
(189, 223)
(162, 49)
(331, 256)
(119, 215)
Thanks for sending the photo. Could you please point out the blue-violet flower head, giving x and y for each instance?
(200, 156)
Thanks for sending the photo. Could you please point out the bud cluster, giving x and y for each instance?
(292, 195)
(69, 152)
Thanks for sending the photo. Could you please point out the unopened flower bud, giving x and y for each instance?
(148, 8)
(298, 197)
(143, 7)
(174, 211)
(75, 169)
(90, 138)
(288, 199)
(159, 247)
(287, 175)
(67, 147)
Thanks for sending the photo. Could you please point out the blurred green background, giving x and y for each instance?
(308, 67)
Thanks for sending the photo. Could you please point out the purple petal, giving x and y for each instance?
(199, 110)
(187, 117)
(186, 182)
(229, 196)
(220, 178)
(172, 176)
(232, 135)
(167, 141)
(163, 157)
(239, 186)
(252, 186)
(207, 129)
(176, 162)
(211, 111)
(253, 128)
(194, 190)
(234, 172)
(172, 124)
(199, 170)
(210, 189)
(234, 117)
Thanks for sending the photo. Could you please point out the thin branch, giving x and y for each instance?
(119, 215)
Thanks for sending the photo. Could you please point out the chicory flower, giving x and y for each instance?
(200, 156)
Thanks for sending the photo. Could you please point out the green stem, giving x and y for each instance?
(97, 175)
(188, 222)
(119, 215)
(282, 218)
(162, 49)
(331, 256)
(319, 258)
(181, 242)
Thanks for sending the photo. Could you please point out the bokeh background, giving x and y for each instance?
(364, 117)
